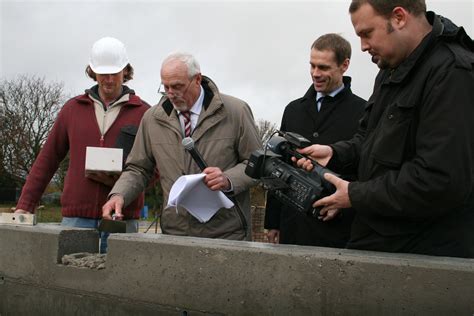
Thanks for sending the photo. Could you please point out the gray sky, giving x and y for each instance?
(257, 51)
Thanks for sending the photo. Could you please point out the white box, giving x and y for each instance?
(101, 159)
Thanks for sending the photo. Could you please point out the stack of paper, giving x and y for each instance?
(191, 192)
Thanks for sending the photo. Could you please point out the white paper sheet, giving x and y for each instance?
(191, 192)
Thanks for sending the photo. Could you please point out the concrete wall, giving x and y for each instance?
(156, 274)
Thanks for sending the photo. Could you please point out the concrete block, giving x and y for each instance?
(244, 278)
(159, 274)
(24, 299)
(75, 240)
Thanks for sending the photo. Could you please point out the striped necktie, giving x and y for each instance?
(319, 103)
(187, 123)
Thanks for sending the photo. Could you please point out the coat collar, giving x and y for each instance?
(212, 111)
(443, 29)
(85, 99)
(210, 89)
(311, 93)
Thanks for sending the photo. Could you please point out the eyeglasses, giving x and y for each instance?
(176, 91)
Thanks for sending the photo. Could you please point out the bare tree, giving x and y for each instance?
(28, 108)
(265, 129)
(257, 194)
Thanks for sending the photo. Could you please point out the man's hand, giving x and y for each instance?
(321, 153)
(115, 203)
(273, 236)
(328, 215)
(103, 177)
(215, 179)
(338, 200)
(20, 211)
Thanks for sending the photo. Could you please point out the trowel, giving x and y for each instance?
(112, 226)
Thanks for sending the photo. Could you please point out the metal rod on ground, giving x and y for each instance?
(155, 221)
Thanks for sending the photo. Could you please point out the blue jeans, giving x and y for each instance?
(82, 222)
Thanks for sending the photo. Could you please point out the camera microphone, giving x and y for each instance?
(188, 144)
(288, 144)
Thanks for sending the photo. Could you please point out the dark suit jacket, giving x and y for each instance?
(337, 120)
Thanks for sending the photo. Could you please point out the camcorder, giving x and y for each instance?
(294, 187)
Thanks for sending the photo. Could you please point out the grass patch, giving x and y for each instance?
(49, 214)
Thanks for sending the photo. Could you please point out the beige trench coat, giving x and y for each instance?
(225, 135)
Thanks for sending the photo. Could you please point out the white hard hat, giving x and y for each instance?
(108, 56)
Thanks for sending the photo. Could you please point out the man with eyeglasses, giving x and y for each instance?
(224, 132)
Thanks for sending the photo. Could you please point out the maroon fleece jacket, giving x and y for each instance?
(76, 128)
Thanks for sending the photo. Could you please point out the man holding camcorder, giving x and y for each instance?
(414, 156)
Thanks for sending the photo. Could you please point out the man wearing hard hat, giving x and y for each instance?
(97, 118)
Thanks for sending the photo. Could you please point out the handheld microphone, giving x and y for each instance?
(188, 144)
